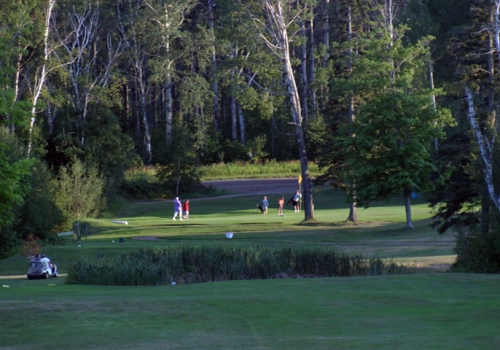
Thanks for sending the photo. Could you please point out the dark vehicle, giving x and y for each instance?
(42, 268)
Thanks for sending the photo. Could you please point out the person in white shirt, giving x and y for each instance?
(296, 199)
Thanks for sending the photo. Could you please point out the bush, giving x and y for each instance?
(80, 193)
(195, 264)
(477, 253)
(39, 214)
(141, 183)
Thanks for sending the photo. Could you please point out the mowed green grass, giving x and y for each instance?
(422, 311)
(427, 310)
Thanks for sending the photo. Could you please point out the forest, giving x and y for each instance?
(388, 97)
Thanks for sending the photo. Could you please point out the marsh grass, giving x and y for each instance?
(216, 262)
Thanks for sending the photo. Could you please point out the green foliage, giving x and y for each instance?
(477, 253)
(80, 192)
(456, 200)
(233, 151)
(256, 148)
(106, 145)
(387, 147)
(142, 183)
(390, 151)
(39, 215)
(181, 174)
(13, 185)
(210, 263)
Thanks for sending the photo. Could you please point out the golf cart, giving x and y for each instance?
(41, 267)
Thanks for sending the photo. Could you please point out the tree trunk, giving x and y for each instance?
(168, 109)
(213, 61)
(145, 122)
(276, 27)
(485, 149)
(353, 215)
(297, 118)
(41, 74)
(234, 133)
(407, 199)
(312, 70)
(303, 72)
(241, 118)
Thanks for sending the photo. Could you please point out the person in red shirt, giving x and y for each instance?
(185, 209)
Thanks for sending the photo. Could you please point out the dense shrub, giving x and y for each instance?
(141, 183)
(195, 264)
(80, 193)
(477, 253)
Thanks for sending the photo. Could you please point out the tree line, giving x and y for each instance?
(389, 97)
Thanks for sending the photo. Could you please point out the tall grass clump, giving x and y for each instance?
(241, 170)
(209, 263)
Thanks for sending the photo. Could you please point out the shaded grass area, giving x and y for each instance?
(427, 311)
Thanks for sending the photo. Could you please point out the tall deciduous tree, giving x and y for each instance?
(396, 123)
(169, 17)
(42, 69)
(278, 17)
(87, 55)
(133, 25)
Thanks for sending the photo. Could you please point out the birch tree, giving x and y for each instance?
(41, 71)
(486, 137)
(280, 16)
(486, 148)
(85, 60)
(213, 61)
(132, 26)
(169, 17)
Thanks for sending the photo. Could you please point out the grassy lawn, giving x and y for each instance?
(427, 310)
(423, 311)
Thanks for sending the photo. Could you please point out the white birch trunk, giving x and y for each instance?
(485, 149)
(433, 97)
(312, 70)
(276, 27)
(497, 27)
(213, 61)
(234, 131)
(137, 59)
(241, 118)
(353, 215)
(41, 73)
(168, 109)
(303, 72)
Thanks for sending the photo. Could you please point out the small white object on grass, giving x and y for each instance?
(113, 241)
(229, 235)
(120, 222)
(173, 283)
(79, 246)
